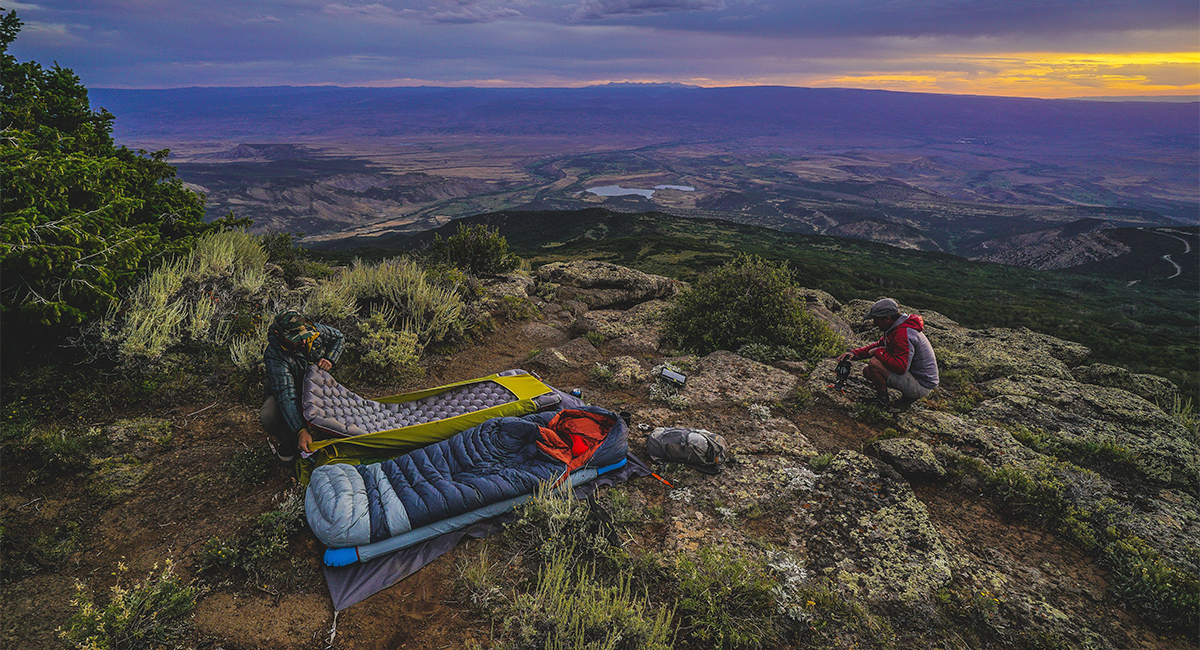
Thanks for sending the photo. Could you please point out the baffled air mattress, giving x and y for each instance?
(350, 428)
(476, 473)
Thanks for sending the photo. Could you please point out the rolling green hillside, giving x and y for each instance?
(1145, 327)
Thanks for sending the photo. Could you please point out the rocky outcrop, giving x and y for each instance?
(997, 352)
(1084, 414)
(574, 355)
(724, 377)
(602, 285)
(874, 537)
(1151, 387)
(912, 458)
(637, 330)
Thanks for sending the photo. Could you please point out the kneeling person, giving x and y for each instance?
(293, 344)
(902, 358)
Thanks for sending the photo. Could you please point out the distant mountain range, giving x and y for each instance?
(932, 172)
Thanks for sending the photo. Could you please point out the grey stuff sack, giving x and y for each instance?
(697, 448)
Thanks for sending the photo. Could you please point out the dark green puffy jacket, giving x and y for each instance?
(286, 369)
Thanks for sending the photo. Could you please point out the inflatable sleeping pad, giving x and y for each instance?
(362, 511)
(352, 429)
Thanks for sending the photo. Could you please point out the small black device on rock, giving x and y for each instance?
(843, 373)
(673, 377)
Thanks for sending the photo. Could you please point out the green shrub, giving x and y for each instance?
(570, 609)
(282, 251)
(727, 599)
(209, 295)
(29, 546)
(872, 415)
(767, 353)
(601, 374)
(49, 450)
(252, 555)
(251, 465)
(820, 461)
(748, 301)
(822, 618)
(148, 614)
(555, 523)
(384, 354)
(478, 249)
(83, 218)
(398, 288)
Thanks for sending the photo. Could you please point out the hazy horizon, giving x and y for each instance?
(973, 47)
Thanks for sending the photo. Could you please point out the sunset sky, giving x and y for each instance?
(1030, 48)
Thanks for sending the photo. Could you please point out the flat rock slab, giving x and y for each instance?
(874, 537)
(723, 377)
(572, 355)
(601, 285)
(912, 458)
(636, 330)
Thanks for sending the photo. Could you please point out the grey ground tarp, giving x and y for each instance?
(352, 584)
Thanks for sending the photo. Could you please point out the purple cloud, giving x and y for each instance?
(600, 9)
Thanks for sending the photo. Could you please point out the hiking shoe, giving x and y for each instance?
(284, 456)
(880, 401)
(904, 402)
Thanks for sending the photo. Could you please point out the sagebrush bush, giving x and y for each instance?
(398, 287)
(749, 301)
(571, 609)
(148, 614)
(727, 599)
(196, 297)
(384, 353)
(478, 249)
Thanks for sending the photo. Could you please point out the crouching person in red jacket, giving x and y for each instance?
(902, 358)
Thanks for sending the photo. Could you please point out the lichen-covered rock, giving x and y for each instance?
(872, 535)
(543, 334)
(573, 355)
(724, 377)
(602, 285)
(637, 330)
(627, 371)
(998, 352)
(825, 308)
(912, 458)
(1170, 521)
(1156, 445)
(992, 444)
(513, 285)
(1153, 388)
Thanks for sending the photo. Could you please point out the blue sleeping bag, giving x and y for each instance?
(355, 505)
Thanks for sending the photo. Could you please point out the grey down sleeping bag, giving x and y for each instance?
(353, 505)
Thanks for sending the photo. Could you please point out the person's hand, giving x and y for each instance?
(846, 357)
(324, 364)
(303, 440)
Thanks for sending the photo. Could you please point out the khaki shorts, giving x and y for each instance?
(907, 385)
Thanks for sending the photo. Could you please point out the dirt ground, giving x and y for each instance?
(187, 498)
